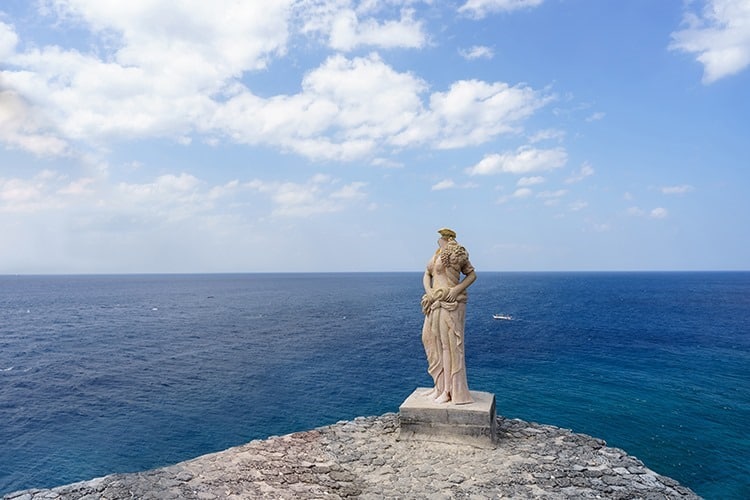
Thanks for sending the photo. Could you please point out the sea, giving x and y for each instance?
(121, 373)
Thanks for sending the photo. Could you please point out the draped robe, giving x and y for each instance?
(444, 326)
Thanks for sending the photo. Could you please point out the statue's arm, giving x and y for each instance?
(468, 280)
(463, 285)
(427, 282)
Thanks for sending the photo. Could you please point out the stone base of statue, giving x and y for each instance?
(473, 424)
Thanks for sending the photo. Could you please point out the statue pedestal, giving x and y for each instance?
(473, 424)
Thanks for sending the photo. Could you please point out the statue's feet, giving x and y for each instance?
(443, 398)
(431, 393)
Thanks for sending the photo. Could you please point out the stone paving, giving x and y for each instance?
(364, 459)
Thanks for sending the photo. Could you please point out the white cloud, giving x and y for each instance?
(444, 184)
(472, 112)
(386, 163)
(636, 211)
(78, 187)
(329, 119)
(450, 184)
(39, 193)
(681, 189)
(373, 6)
(594, 117)
(351, 191)
(20, 129)
(346, 26)
(318, 195)
(157, 75)
(153, 71)
(153, 74)
(578, 205)
(586, 170)
(347, 32)
(19, 195)
(530, 181)
(221, 191)
(718, 36)
(599, 227)
(518, 194)
(553, 194)
(481, 8)
(169, 222)
(173, 198)
(8, 41)
(547, 135)
(477, 52)
(163, 187)
(658, 213)
(522, 161)
(552, 198)
(205, 41)
(169, 197)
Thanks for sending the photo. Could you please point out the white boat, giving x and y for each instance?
(502, 316)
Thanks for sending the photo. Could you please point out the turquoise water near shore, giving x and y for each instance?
(103, 374)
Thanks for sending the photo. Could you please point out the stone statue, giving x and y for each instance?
(444, 307)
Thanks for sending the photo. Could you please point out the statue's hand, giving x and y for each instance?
(426, 302)
(452, 295)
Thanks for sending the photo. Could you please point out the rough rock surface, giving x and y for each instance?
(363, 459)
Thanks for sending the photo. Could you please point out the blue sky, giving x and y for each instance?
(335, 135)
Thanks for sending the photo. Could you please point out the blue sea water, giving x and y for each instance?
(104, 374)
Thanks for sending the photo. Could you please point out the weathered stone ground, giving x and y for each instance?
(363, 459)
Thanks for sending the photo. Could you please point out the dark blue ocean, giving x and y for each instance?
(104, 374)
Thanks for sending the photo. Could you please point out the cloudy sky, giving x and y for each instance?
(337, 135)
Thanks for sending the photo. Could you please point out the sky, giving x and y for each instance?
(185, 136)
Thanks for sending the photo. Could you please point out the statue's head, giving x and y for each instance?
(448, 234)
